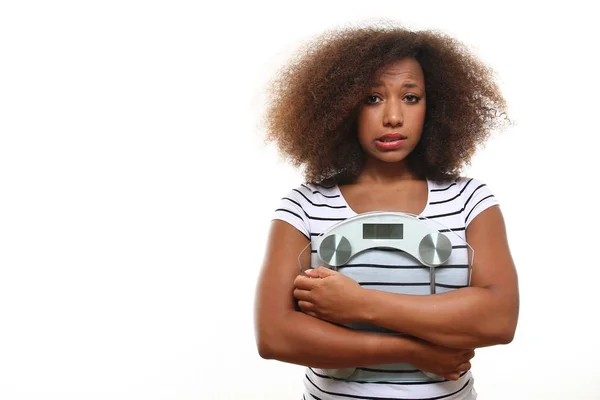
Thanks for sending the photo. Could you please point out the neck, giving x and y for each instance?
(377, 171)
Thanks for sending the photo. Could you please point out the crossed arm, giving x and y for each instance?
(444, 328)
(483, 314)
(287, 334)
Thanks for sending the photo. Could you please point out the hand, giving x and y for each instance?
(328, 295)
(446, 362)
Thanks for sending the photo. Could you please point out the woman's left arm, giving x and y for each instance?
(483, 314)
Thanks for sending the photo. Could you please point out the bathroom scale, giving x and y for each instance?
(378, 249)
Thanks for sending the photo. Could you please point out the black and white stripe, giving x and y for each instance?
(313, 210)
(316, 387)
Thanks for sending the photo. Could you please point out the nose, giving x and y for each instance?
(393, 115)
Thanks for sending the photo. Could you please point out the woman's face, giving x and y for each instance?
(391, 120)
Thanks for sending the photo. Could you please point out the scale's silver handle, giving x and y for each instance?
(434, 249)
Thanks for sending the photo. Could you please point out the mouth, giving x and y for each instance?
(391, 137)
(390, 141)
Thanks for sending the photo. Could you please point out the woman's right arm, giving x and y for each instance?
(286, 334)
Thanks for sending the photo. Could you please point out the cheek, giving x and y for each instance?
(423, 110)
(365, 123)
(422, 115)
(419, 118)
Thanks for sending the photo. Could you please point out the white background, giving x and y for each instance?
(136, 192)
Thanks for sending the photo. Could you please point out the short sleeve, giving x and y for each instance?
(290, 210)
(478, 197)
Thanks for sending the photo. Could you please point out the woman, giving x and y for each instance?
(383, 119)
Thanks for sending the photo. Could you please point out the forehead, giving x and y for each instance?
(407, 69)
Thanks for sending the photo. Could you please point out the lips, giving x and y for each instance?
(391, 137)
(390, 141)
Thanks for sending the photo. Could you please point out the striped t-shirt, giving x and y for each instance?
(313, 209)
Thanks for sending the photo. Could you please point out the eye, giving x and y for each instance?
(411, 99)
(373, 99)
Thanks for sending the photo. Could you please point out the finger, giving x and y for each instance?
(453, 376)
(469, 354)
(321, 272)
(306, 306)
(300, 294)
(304, 283)
(311, 273)
(464, 367)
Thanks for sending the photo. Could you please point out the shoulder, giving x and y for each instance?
(307, 194)
(315, 201)
(476, 197)
(469, 196)
(309, 197)
(307, 202)
(463, 186)
(319, 192)
(473, 189)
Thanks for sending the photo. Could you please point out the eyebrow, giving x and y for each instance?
(405, 85)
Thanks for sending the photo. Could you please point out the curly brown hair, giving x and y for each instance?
(315, 98)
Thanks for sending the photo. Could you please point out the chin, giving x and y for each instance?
(391, 157)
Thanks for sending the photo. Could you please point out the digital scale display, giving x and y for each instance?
(383, 231)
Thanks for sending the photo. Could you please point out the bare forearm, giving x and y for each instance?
(304, 340)
(465, 318)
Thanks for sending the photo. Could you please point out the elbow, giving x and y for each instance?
(264, 351)
(265, 348)
(269, 342)
(507, 329)
(505, 336)
(503, 333)
(499, 324)
(498, 337)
